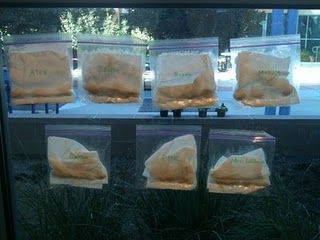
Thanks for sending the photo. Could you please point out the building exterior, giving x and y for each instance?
(306, 23)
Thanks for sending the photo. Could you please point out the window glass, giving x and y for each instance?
(108, 204)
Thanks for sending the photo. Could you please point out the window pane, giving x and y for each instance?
(120, 210)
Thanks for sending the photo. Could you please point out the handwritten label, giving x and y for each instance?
(169, 158)
(270, 73)
(182, 74)
(244, 160)
(36, 73)
(78, 156)
(108, 70)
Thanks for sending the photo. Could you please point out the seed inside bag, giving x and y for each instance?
(173, 165)
(185, 80)
(40, 77)
(262, 80)
(110, 77)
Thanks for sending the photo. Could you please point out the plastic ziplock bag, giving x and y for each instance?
(39, 68)
(239, 161)
(184, 72)
(78, 155)
(264, 70)
(112, 68)
(167, 156)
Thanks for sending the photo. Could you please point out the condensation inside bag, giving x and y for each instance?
(112, 77)
(40, 77)
(185, 80)
(263, 80)
(173, 165)
(73, 164)
(244, 174)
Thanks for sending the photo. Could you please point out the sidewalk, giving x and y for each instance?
(309, 105)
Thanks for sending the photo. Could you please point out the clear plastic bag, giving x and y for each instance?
(184, 72)
(240, 161)
(112, 69)
(78, 155)
(265, 69)
(39, 67)
(167, 156)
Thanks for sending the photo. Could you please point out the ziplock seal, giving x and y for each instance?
(170, 47)
(164, 133)
(35, 42)
(266, 45)
(80, 131)
(168, 130)
(251, 138)
(42, 38)
(113, 43)
(64, 133)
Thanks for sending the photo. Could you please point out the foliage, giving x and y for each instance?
(94, 21)
(306, 56)
(29, 20)
(74, 21)
(111, 28)
(141, 34)
(187, 23)
(120, 211)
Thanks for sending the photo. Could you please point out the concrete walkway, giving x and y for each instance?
(310, 105)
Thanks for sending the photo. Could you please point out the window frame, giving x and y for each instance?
(301, 4)
(7, 194)
(7, 210)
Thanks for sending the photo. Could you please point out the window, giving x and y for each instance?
(114, 142)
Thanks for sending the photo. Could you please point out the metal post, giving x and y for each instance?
(57, 108)
(306, 35)
(277, 28)
(7, 199)
(292, 24)
(33, 108)
(8, 89)
(46, 107)
(270, 111)
(292, 21)
(264, 24)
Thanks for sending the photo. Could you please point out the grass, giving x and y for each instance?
(121, 211)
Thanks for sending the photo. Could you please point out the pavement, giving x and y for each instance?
(309, 105)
